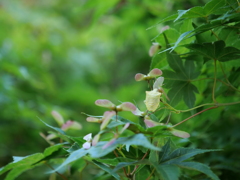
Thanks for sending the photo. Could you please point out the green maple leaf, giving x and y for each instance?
(179, 79)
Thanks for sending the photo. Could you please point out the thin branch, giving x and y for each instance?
(136, 167)
(151, 174)
(195, 115)
(214, 83)
(125, 172)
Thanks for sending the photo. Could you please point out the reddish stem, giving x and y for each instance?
(195, 115)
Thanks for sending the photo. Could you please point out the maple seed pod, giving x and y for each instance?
(127, 106)
(150, 123)
(152, 100)
(58, 117)
(105, 103)
(155, 73)
(153, 49)
(140, 77)
(107, 118)
(93, 119)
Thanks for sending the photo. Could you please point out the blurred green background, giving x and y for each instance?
(63, 55)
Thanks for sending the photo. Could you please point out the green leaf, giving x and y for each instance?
(169, 18)
(215, 50)
(194, 12)
(166, 150)
(107, 169)
(198, 167)
(142, 172)
(182, 154)
(167, 172)
(228, 35)
(234, 77)
(22, 164)
(197, 12)
(111, 162)
(48, 151)
(22, 161)
(158, 60)
(14, 173)
(131, 162)
(172, 35)
(181, 86)
(78, 140)
(75, 155)
(138, 139)
(213, 6)
(188, 94)
(55, 128)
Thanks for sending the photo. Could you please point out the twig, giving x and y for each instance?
(151, 174)
(195, 115)
(215, 80)
(125, 172)
(138, 165)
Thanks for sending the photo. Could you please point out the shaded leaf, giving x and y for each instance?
(182, 154)
(213, 6)
(22, 162)
(14, 173)
(132, 162)
(198, 167)
(215, 50)
(167, 172)
(75, 155)
(107, 169)
(111, 162)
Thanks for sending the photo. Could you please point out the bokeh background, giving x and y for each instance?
(63, 55)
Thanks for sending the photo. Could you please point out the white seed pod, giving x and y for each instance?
(152, 100)
(158, 83)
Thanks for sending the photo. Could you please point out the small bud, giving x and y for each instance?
(88, 137)
(105, 103)
(155, 73)
(152, 100)
(86, 145)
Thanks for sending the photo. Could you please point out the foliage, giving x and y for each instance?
(198, 61)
